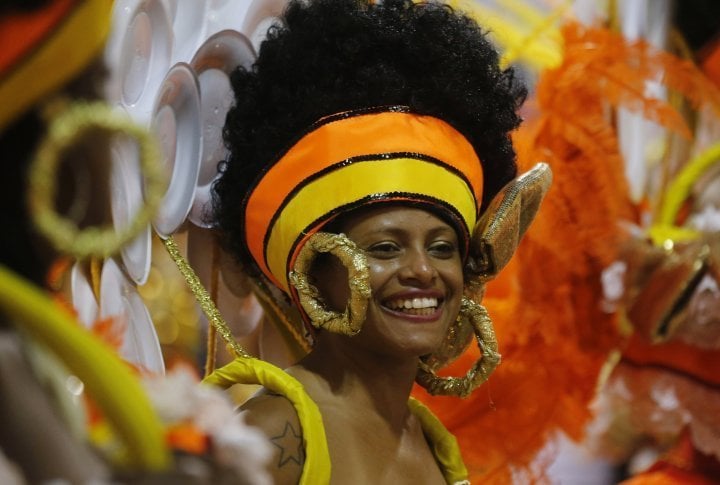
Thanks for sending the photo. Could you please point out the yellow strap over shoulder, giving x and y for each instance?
(317, 461)
(443, 443)
(255, 371)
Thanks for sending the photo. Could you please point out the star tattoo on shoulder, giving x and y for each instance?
(291, 446)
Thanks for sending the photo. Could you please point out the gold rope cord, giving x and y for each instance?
(212, 332)
(203, 298)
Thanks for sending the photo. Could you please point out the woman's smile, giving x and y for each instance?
(416, 278)
(426, 305)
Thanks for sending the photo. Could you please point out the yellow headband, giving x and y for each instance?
(45, 49)
(354, 159)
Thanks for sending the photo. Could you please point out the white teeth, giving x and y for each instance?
(413, 303)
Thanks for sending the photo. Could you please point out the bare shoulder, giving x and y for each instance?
(276, 417)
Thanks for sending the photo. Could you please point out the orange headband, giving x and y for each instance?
(353, 159)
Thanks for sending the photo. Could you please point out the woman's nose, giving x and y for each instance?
(417, 269)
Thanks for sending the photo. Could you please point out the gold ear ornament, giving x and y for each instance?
(495, 238)
(498, 232)
(475, 316)
(350, 321)
(78, 120)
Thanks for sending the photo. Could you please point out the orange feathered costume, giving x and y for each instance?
(554, 336)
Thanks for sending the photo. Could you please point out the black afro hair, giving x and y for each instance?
(330, 56)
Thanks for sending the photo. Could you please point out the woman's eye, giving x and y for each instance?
(443, 249)
(383, 249)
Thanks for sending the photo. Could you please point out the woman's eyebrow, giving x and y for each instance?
(399, 231)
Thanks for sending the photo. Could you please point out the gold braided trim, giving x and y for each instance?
(482, 326)
(351, 320)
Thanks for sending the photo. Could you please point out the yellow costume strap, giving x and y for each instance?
(254, 371)
(677, 193)
(108, 380)
(352, 159)
(443, 443)
(317, 460)
(67, 47)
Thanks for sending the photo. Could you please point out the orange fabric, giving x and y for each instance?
(667, 475)
(697, 363)
(360, 135)
(361, 183)
(188, 438)
(65, 49)
(552, 332)
(110, 330)
(682, 465)
(21, 32)
(58, 270)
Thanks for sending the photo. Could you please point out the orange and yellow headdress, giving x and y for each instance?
(44, 49)
(353, 159)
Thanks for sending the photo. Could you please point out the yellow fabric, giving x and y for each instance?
(107, 379)
(525, 33)
(679, 189)
(317, 462)
(353, 183)
(57, 60)
(677, 194)
(255, 371)
(444, 445)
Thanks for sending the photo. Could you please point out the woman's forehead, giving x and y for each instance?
(388, 217)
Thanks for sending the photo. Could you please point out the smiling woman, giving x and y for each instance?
(416, 281)
(367, 146)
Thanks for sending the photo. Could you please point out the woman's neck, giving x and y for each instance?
(357, 379)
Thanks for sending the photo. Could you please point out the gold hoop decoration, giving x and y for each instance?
(66, 129)
(478, 317)
(350, 321)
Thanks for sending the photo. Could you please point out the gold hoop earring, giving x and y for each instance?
(476, 315)
(350, 321)
(65, 130)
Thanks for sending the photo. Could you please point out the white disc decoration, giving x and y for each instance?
(225, 15)
(260, 16)
(83, 297)
(213, 63)
(122, 11)
(144, 56)
(169, 64)
(188, 28)
(119, 299)
(176, 123)
(126, 199)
